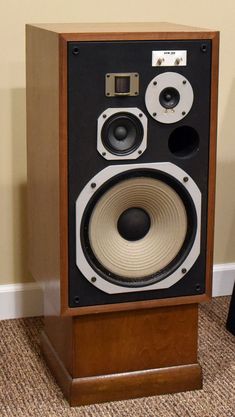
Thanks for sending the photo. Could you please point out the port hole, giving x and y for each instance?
(183, 141)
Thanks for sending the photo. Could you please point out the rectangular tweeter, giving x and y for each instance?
(121, 84)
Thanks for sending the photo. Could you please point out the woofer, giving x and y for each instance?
(122, 133)
(134, 223)
(148, 255)
(138, 228)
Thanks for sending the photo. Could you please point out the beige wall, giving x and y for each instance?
(14, 14)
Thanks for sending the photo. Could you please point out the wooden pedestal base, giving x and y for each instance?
(123, 355)
(90, 390)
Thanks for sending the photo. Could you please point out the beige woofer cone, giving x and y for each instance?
(163, 241)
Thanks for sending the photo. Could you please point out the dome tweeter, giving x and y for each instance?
(169, 97)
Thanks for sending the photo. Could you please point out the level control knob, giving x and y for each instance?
(160, 61)
(177, 61)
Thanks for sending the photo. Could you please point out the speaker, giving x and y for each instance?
(121, 125)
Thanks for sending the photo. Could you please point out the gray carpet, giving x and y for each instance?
(28, 389)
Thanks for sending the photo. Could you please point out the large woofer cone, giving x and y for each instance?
(138, 230)
(122, 133)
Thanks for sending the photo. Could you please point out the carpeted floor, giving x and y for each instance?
(28, 389)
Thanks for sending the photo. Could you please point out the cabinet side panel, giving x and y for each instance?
(42, 80)
(212, 162)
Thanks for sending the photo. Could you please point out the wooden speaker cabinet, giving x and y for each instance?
(121, 145)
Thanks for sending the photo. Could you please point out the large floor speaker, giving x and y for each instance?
(121, 128)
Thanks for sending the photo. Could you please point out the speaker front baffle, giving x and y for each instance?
(121, 134)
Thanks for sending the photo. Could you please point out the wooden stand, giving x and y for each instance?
(123, 355)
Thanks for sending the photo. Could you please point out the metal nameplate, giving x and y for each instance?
(169, 58)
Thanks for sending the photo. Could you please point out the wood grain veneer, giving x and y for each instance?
(135, 340)
(97, 389)
(124, 355)
(42, 74)
(212, 162)
(125, 28)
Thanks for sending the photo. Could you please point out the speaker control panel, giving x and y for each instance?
(169, 58)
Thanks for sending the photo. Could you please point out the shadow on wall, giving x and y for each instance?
(225, 196)
(19, 188)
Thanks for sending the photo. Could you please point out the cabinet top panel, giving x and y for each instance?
(65, 28)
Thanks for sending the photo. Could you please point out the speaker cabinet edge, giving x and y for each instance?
(212, 161)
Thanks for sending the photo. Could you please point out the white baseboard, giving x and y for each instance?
(223, 279)
(20, 300)
(25, 300)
